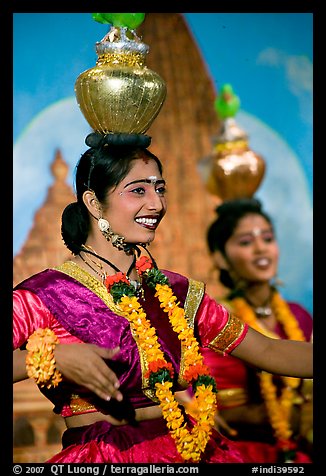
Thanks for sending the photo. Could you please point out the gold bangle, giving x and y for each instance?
(40, 361)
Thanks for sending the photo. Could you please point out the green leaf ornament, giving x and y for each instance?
(125, 20)
(227, 103)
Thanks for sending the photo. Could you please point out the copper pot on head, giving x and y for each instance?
(236, 170)
(232, 170)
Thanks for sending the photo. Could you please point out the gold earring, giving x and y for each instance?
(103, 225)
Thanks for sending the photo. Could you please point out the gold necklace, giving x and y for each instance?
(102, 275)
(97, 264)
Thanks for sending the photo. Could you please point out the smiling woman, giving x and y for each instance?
(265, 412)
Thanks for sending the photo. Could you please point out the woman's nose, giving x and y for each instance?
(155, 201)
(259, 243)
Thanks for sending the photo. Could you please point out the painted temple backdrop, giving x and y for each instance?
(195, 54)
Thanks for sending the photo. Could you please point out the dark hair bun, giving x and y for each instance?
(96, 140)
(239, 204)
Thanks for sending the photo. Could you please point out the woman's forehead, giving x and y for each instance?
(143, 168)
(250, 222)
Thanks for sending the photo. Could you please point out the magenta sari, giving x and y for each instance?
(70, 306)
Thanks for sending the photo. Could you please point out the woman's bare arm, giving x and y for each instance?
(19, 365)
(277, 356)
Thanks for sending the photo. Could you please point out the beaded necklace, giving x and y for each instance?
(278, 408)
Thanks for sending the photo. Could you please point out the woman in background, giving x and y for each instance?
(262, 412)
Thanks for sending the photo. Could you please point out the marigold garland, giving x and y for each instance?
(40, 361)
(278, 407)
(190, 443)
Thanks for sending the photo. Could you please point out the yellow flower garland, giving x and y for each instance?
(190, 444)
(278, 408)
(40, 360)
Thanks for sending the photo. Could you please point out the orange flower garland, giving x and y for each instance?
(190, 444)
(278, 408)
(40, 361)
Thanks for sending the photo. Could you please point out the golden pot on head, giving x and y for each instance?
(120, 94)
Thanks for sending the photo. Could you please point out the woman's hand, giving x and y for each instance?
(84, 365)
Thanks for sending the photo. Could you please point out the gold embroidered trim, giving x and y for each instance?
(81, 405)
(195, 293)
(228, 335)
(72, 269)
(196, 290)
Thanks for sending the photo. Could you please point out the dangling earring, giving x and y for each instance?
(105, 228)
(103, 224)
(116, 240)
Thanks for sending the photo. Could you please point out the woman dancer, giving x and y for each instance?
(263, 411)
